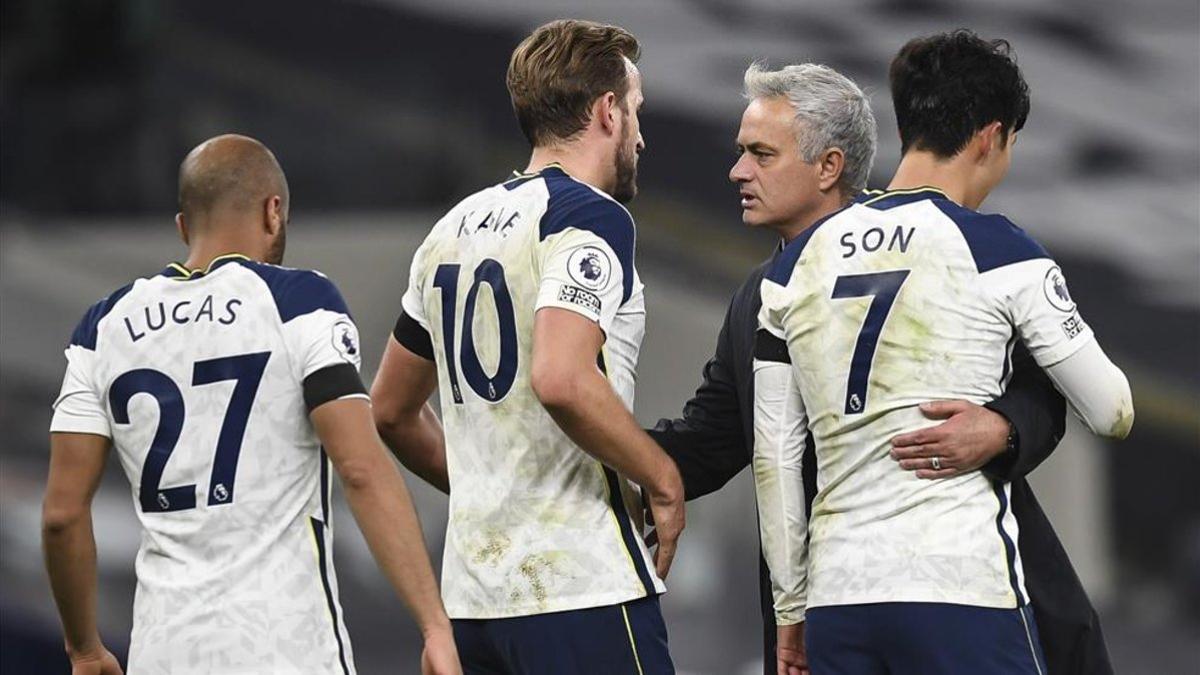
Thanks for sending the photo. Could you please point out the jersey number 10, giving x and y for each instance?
(246, 370)
(493, 388)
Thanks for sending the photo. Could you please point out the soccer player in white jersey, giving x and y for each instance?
(525, 311)
(902, 297)
(228, 385)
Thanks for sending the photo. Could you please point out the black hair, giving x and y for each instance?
(946, 87)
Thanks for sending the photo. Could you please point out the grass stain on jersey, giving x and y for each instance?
(1124, 423)
(497, 545)
(533, 567)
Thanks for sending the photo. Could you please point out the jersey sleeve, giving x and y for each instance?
(78, 408)
(780, 438)
(411, 304)
(321, 338)
(412, 326)
(586, 261)
(1034, 296)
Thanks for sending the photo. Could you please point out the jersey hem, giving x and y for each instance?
(1055, 356)
(1007, 601)
(80, 425)
(581, 602)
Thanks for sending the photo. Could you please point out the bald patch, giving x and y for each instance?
(229, 173)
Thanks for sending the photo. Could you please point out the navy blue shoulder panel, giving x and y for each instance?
(517, 181)
(574, 204)
(781, 268)
(88, 328)
(993, 239)
(298, 292)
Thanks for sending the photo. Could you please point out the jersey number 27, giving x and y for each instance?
(246, 370)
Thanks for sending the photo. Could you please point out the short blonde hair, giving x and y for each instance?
(557, 72)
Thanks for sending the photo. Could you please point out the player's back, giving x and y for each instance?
(199, 381)
(896, 300)
(536, 525)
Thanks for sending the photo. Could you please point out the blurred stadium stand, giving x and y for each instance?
(385, 113)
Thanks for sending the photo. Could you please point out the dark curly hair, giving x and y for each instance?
(946, 87)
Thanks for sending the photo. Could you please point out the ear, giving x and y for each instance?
(273, 214)
(182, 228)
(830, 165)
(604, 111)
(991, 139)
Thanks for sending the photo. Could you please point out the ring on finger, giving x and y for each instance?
(936, 463)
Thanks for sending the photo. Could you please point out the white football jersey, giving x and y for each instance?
(536, 524)
(900, 298)
(197, 379)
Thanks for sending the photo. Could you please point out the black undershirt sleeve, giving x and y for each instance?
(331, 383)
(413, 336)
(767, 347)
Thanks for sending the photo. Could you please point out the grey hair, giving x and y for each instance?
(831, 112)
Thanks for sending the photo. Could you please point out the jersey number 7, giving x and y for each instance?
(246, 370)
(883, 286)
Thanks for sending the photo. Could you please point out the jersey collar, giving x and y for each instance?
(886, 199)
(552, 165)
(178, 271)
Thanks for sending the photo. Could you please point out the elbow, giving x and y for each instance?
(1118, 421)
(392, 419)
(387, 419)
(58, 519)
(1118, 425)
(357, 475)
(555, 388)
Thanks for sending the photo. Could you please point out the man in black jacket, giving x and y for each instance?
(1007, 438)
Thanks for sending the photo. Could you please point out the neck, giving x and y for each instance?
(583, 161)
(953, 176)
(830, 201)
(203, 250)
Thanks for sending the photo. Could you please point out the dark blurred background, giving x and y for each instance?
(384, 113)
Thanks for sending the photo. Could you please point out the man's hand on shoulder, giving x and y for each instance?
(969, 438)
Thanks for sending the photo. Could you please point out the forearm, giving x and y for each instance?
(1036, 413)
(416, 439)
(1097, 389)
(384, 511)
(592, 415)
(70, 553)
(780, 430)
(708, 443)
(707, 458)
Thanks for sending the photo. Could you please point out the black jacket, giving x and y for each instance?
(714, 440)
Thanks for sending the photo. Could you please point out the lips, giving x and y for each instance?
(748, 199)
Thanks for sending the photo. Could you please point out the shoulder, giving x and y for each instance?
(87, 329)
(780, 269)
(748, 291)
(297, 292)
(571, 203)
(994, 240)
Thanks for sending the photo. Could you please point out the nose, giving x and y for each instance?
(641, 143)
(740, 171)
